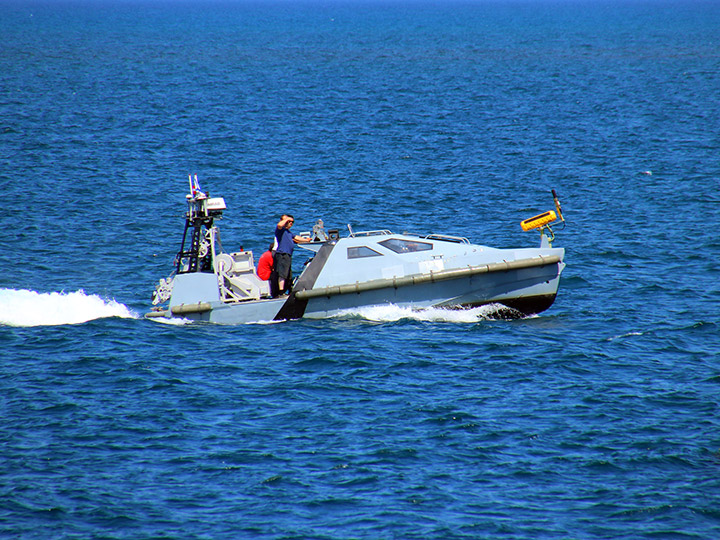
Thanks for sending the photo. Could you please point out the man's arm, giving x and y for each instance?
(301, 239)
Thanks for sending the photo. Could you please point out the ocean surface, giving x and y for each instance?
(598, 418)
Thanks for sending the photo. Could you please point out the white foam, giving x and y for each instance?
(391, 313)
(172, 321)
(30, 308)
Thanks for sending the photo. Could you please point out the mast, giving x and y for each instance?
(196, 256)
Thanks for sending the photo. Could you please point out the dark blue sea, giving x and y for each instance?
(598, 418)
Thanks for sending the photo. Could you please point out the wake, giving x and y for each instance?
(30, 308)
(393, 313)
(26, 308)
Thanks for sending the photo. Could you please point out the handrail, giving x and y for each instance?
(379, 232)
(447, 238)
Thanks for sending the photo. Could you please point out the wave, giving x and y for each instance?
(625, 335)
(393, 313)
(30, 308)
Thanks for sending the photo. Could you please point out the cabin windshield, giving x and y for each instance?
(406, 246)
(361, 252)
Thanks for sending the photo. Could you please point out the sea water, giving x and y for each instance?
(595, 419)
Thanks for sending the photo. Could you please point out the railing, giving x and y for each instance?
(447, 238)
(386, 232)
(379, 232)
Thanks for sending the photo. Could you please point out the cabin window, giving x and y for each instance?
(405, 246)
(362, 252)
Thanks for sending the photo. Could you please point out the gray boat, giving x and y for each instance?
(361, 269)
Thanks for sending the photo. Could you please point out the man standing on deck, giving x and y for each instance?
(282, 261)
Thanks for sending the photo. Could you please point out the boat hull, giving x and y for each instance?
(520, 288)
(526, 291)
(257, 311)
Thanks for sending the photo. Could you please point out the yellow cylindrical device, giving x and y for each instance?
(538, 221)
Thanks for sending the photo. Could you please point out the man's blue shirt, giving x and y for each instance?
(284, 240)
